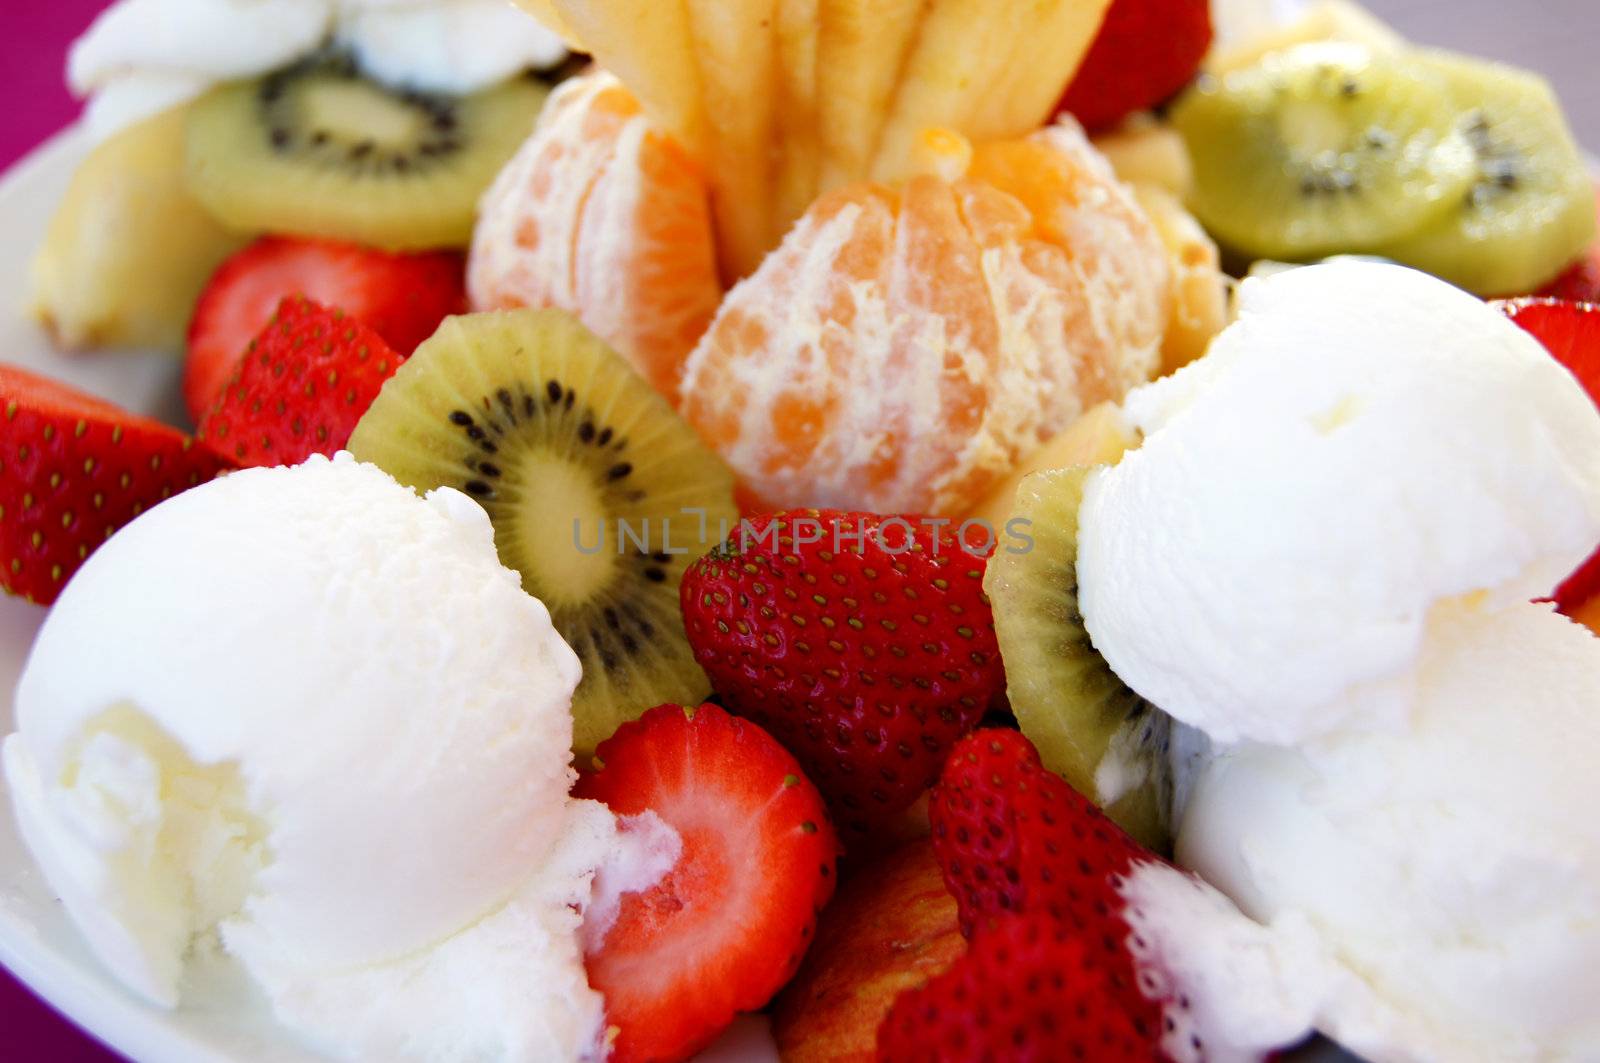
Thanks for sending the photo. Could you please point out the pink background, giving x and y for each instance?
(36, 104)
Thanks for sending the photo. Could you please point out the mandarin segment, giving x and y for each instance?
(906, 345)
(603, 216)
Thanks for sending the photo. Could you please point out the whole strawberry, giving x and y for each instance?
(75, 470)
(1146, 51)
(303, 384)
(864, 643)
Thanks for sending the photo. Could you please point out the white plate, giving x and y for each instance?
(222, 1020)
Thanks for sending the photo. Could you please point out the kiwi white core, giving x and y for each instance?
(560, 502)
(358, 110)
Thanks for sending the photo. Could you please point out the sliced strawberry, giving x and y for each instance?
(304, 383)
(400, 297)
(1025, 992)
(1014, 837)
(727, 926)
(1571, 332)
(75, 470)
(1147, 50)
(864, 643)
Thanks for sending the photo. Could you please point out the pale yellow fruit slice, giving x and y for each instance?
(735, 51)
(647, 44)
(129, 249)
(862, 46)
(1199, 287)
(1327, 20)
(799, 160)
(1048, 52)
(1144, 151)
(1099, 437)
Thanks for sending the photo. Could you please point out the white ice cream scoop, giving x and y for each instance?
(307, 715)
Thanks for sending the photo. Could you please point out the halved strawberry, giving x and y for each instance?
(303, 384)
(74, 470)
(1571, 332)
(727, 926)
(400, 297)
(1146, 51)
(863, 643)
(1025, 992)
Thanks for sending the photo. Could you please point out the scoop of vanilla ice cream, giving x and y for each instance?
(455, 46)
(310, 714)
(1363, 444)
(142, 56)
(1453, 870)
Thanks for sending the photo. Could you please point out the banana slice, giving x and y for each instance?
(129, 249)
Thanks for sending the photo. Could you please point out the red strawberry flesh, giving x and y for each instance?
(728, 925)
(400, 297)
(76, 469)
(1571, 332)
(863, 643)
(1025, 992)
(304, 383)
(1147, 50)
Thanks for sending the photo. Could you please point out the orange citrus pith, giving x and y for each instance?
(603, 216)
(906, 345)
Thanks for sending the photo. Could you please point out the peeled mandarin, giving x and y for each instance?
(906, 345)
(603, 216)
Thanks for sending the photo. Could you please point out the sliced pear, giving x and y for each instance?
(1327, 20)
(736, 55)
(1049, 51)
(1200, 289)
(799, 162)
(129, 249)
(862, 46)
(1099, 437)
(647, 44)
(1144, 151)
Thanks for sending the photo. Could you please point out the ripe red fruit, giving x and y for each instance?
(1571, 332)
(1024, 992)
(1014, 838)
(304, 383)
(400, 297)
(863, 643)
(1147, 50)
(76, 469)
(729, 924)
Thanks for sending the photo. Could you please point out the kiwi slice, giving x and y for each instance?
(1089, 727)
(1323, 148)
(319, 150)
(1529, 212)
(586, 473)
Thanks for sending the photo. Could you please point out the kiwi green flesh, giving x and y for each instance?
(1065, 697)
(1322, 149)
(562, 444)
(319, 150)
(1530, 210)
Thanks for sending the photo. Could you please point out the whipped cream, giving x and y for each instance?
(322, 729)
(1362, 446)
(143, 56)
(1453, 870)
